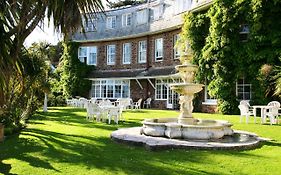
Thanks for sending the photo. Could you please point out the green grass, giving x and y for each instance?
(62, 141)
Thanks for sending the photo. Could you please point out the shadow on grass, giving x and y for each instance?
(40, 148)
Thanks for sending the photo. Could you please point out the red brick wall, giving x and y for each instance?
(168, 55)
(209, 108)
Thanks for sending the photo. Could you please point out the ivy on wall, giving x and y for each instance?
(73, 73)
(223, 57)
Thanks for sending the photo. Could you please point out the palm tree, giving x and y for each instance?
(18, 18)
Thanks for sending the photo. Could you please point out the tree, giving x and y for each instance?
(18, 18)
(122, 3)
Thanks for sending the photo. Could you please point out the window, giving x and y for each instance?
(244, 32)
(176, 49)
(92, 58)
(142, 52)
(142, 17)
(126, 53)
(209, 100)
(181, 6)
(126, 19)
(88, 55)
(243, 89)
(111, 89)
(161, 89)
(159, 49)
(82, 54)
(111, 22)
(90, 25)
(157, 12)
(110, 54)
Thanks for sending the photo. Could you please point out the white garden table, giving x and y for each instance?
(263, 111)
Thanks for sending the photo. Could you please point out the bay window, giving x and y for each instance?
(111, 89)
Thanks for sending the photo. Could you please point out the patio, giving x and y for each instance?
(62, 141)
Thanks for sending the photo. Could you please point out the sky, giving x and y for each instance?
(47, 33)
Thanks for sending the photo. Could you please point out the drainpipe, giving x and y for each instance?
(147, 64)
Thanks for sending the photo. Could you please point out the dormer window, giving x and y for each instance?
(126, 19)
(142, 16)
(111, 22)
(244, 32)
(157, 12)
(90, 24)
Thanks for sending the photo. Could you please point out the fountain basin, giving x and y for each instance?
(200, 130)
(186, 88)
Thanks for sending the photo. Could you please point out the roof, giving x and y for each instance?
(133, 74)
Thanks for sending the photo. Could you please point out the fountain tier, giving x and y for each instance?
(200, 129)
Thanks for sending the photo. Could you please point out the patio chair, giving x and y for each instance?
(244, 111)
(251, 109)
(69, 102)
(114, 112)
(137, 105)
(147, 103)
(273, 112)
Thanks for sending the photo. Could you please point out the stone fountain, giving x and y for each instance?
(186, 131)
(185, 126)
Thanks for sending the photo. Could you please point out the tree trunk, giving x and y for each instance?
(45, 108)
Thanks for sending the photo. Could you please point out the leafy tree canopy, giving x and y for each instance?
(123, 3)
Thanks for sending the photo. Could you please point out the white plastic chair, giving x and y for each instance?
(114, 112)
(251, 110)
(137, 105)
(272, 112)
(244, 111)
(147, 103)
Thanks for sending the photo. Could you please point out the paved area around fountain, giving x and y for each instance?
(240, 141)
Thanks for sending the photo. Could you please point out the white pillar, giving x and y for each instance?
(45, 107)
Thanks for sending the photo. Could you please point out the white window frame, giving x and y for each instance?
(207, 100)
(111, 22)
(96, 91)
(163, 85)
(90, 25)
(142, 16)
(127, 53)
(157, 12)
(181, 6)
(110, 55)
(243, 86)
(158, 49)
(176, 49)
(87, 54)
(142, 51)
(126, 19)
(82, 55)
(92, 50)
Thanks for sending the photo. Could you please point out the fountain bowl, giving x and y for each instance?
(200, 130)
(186, 88)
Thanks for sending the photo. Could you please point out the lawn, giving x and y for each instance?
(62, 141)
